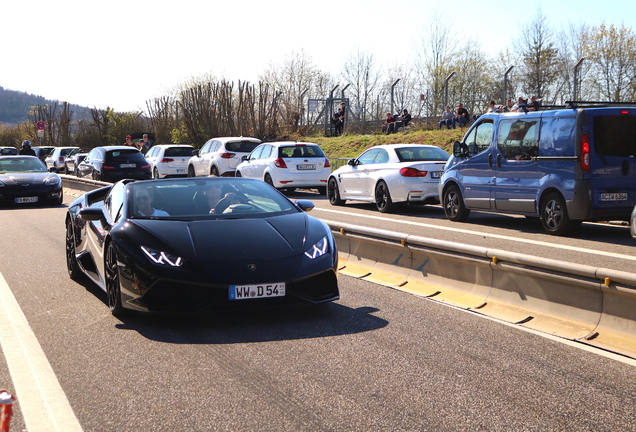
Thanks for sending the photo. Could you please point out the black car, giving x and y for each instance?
(114, 163)
(8, 151)
(25, 179)
(192, 244)
(73, 160)
(43, 151)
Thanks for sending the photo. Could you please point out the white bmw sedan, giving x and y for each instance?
(390, 174)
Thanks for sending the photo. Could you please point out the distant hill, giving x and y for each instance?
(14, 106)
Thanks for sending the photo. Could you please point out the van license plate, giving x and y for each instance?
(242, 292)
(614, 196)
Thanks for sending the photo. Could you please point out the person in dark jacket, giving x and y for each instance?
(26, 148)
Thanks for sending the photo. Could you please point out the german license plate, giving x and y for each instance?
(127, 165)
(306, 167)
(242, 292)
(23, 200)
(436, 174)
(180, 171)
(621, 196)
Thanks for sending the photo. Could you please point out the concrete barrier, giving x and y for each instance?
(594, 306)
(582, 303)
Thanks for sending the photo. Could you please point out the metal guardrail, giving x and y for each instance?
(591, 305)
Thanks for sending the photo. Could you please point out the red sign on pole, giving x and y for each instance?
(40, 125)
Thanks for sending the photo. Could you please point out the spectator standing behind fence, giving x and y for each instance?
(387, 122)
(461, 116)
(337, 122)
(447, 118)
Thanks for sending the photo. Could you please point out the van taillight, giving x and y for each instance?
(585, 152)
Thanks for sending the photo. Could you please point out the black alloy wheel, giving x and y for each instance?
(454, 207)
(71, 260)
(554, 215)
(113, 289)
(383, 200)
(333, 193)
(191, 171)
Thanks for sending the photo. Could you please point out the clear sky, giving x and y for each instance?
(120, 53)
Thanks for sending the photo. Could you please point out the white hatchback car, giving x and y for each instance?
(169, 160)
(220, 156)
(288, 165)
(56, 161)
(389, 174)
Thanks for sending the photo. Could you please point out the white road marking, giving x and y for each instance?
(483, 234)
(40, 397)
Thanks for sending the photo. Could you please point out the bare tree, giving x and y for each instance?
(361, 72)
(433, 61)
(612, 54)
(539, 62)
(295, 76)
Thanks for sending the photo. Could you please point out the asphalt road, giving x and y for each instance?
(377, 360)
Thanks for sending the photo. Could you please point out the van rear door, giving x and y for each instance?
(612, 161)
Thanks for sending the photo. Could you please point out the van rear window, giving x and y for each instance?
(615, 135)
(557, 136)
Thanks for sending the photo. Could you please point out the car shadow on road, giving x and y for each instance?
(298, 321)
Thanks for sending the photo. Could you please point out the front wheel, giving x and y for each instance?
(71, 260)
(155, 173)
(191, 171)
(113, 288)
(333, 193)
(554, 215)
(454, 206)
(383, 200)
(214, 171)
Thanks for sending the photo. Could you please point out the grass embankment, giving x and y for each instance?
(349, 146)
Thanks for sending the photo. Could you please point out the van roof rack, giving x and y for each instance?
(596, 104)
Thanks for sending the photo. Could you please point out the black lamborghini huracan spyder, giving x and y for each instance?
(195, 244)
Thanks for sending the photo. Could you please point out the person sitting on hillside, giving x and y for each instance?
(535, 104)
(461, 116)
(389, 119)
(447, 118)
(402, 121)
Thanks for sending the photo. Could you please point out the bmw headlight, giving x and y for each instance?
(162, 258)
(319, 249)
(52, 180)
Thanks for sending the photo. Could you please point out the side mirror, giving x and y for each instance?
(352, 162)
(195, 153)
(305, 205)
(91, 214)
(245, 157)
(460, 150)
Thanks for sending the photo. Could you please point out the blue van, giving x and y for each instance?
(564, 166)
